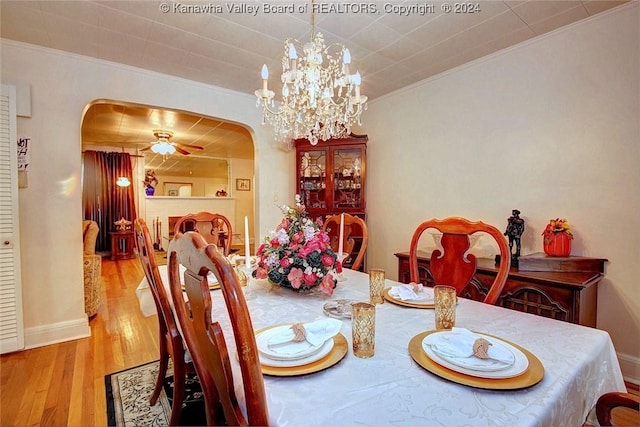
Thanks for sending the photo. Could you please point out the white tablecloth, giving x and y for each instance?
(391, 389)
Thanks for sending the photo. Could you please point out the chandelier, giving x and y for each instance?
(320, 97)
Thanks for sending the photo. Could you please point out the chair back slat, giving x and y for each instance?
(214, 227)
(453, 265)
(204, 335)
(354, 228)
(171, 344)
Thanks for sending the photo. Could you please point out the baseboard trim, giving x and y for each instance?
(630, 367)
(40, 336)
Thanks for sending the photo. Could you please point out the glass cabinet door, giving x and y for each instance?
(348, 192)
(313, 178)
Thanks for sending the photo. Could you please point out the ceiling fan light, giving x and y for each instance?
(123, 181)
(163, 147)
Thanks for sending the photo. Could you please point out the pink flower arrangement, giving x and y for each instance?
(297, 253)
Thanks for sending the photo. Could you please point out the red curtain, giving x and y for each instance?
(103, 201)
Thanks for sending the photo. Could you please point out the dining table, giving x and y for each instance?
(574, 364)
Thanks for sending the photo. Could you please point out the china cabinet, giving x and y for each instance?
(331, 176)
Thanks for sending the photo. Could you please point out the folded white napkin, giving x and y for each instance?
(406, 292)
(316, 333)
(458, 345)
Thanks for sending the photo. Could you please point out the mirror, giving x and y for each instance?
(204, 176)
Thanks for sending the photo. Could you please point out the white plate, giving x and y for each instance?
(293, 351)
(520, 364)
(477, 364)
(322, 352)
(425, 294)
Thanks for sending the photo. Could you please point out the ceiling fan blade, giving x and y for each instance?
(195, 147)
(181, 150)
(145, 148)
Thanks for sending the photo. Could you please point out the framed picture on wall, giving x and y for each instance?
(243, 184)
(177, 189)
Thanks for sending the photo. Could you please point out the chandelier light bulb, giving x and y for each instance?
(292, 52)
(265, 77)
(346, 56)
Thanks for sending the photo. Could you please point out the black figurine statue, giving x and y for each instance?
(514, 231)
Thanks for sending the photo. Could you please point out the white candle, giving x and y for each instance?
(265, 76)
(341, 235)
(247, 256)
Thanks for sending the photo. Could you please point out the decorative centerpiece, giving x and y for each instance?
(297, 254)
(150, 182)
(557, 238)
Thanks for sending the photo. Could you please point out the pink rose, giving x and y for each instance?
(261, 273)
(324, 238)
(261, 249)
(297, 237)
(310, 279)
(313, 245)
(327, 260)
(284, 224)
(285, 262)
(304, 252)
(327, 284)
(295, 277)
(275, 242)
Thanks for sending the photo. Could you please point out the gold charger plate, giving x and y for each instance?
(389, 298)
(532, 376)
(337, 353)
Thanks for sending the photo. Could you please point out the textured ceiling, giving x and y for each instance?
(224, 43)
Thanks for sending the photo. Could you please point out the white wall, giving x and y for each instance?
(243, 169)
(62, 85)
(549, 127)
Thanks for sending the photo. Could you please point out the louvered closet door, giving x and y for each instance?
(11, 326)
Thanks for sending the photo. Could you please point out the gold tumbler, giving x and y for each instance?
(376, 285)
(363, 329)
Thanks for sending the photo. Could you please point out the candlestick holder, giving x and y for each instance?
(341, 257)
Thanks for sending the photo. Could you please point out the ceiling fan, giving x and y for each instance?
(163, 145)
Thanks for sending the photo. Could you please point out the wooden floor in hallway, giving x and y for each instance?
(63, 384)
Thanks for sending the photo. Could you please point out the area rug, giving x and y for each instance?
(128, 393)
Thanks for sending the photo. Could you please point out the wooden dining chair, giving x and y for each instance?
(171, 344)
(455, 267)
(610, 401)
(214, 227)
(354, 229)
(204, 335)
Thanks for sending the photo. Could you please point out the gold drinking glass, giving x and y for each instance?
(364, 329)
(445, 306)
(376, 285)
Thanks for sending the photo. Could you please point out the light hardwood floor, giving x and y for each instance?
(63, 384)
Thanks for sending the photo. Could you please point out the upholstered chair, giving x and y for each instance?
(92, 265)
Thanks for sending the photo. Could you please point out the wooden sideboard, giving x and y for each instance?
(568, 296)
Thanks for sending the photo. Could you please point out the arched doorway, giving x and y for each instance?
(217, 175)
